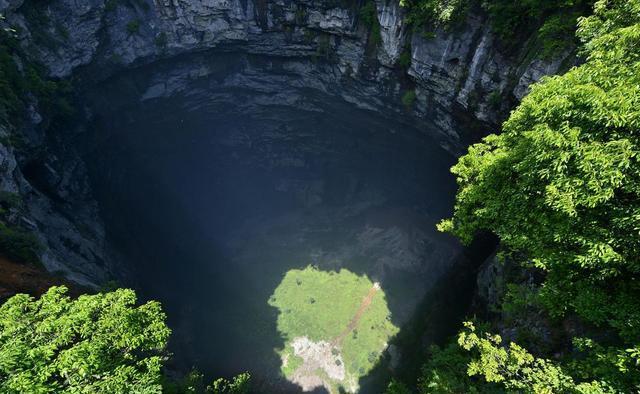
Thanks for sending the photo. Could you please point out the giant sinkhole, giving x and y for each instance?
(216, 174)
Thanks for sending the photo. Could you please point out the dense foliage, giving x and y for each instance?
(436, 12)
(100, 343)
(562, 182)
(194, 382)
(502, 369)
(236, 385)
(554, 20)
(508, 16)
(561, 186)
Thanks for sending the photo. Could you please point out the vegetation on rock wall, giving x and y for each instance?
(561, 187)
(439, 13)
(554, 20)
(18, 245)
(369, 17)
(23, 85)
(508, 16)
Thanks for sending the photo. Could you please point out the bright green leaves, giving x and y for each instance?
(100, 343)
(608, 16)
(562, 182)
(516, 369)
(236, 385)
(440, 13)
(577, 173)
(561, 185)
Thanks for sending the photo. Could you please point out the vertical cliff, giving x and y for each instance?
(445, 84)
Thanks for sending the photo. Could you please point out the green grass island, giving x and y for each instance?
(336, 326)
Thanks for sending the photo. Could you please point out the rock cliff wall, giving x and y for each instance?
(448, 89)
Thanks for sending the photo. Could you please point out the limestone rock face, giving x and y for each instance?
(71, 233)
(393, 32)
(451, 72)
(535, 70)
(323, 44)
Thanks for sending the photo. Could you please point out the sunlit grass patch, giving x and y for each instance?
(345, 319)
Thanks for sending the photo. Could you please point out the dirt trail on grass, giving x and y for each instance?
(366, 302)
(322, 363)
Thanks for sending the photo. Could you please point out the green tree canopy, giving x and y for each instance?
(100, 343)
(561, 186)
(562, 182)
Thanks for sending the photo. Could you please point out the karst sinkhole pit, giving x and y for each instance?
(215, 181)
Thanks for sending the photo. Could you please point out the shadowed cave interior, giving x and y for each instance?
(214, 186)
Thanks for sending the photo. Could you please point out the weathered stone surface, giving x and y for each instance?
(393, 31)
(490, 282)
(71, 233)
(322, 45)
(453, 70)
(537, 69)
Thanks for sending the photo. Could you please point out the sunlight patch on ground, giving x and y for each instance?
(336, 325)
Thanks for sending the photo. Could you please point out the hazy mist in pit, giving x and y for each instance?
(211, 208)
